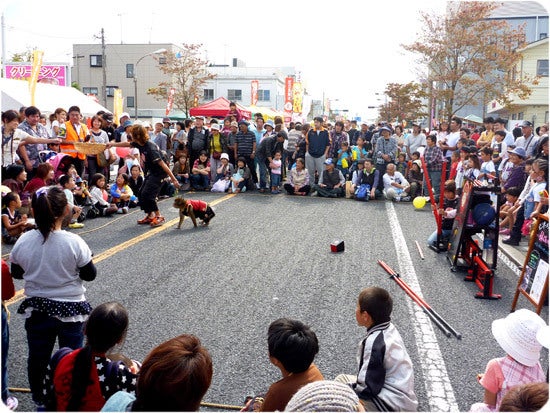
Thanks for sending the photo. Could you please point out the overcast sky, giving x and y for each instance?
(346, 49)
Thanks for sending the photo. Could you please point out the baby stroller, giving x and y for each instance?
(60, 163)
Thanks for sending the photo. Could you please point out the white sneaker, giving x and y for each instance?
(125, 210)
(119, 211)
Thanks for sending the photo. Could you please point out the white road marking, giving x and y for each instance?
(441, 397)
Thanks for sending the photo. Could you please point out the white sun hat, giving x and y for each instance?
(517, 335)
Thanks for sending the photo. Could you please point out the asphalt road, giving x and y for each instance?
(265, 257)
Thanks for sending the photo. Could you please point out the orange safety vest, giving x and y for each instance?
(72, 136)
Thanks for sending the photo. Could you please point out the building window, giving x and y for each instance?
(208, 94)
(96, 60)
(110, 91)
(162, 60)
(514, 117)
(234, 95)
(543, 36)
(542, 68)
(520, 115)
(264, 95)
(90, 91)
(130, 70)
(130, 102)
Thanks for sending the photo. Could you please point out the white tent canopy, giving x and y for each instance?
(15, 93)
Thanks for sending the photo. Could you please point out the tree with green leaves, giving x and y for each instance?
(469, 58)
(405, 102)
(188, 75)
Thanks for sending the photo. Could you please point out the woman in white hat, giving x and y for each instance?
(517, 335)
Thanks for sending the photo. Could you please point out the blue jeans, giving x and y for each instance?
(5, 347)
(275, 180)
(200, 181)
(445, 234)
(42, 332)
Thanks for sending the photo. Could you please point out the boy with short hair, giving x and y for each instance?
(488, 169)
(385, 381)
(292, 347)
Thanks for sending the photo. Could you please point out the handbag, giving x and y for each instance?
(362, 192)
(220, 185)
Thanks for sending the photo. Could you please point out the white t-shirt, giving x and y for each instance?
(51, 268)
(414, 142)
(452, 140)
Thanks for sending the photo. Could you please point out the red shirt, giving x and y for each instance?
(197, 205)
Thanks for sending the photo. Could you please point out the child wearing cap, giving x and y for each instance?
(517, 336)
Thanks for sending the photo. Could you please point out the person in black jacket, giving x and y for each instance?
(197, 139)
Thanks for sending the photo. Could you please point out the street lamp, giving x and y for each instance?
(159, 51)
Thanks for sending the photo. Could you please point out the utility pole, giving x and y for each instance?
(104, 67)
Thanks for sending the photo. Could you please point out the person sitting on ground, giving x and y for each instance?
(83, 379)
(344, 158)
(135, 182)
(298, 179)
(396, 187)
(200, 173)
(385, 378)
(174, 377)
(241, 178)
(181, 172)
(368, 176)
(505, 213)
(292, 347)
(325, 396)
(44, 176)
(226, 169)
(16, 177)
(517, 336)
(13, 222)
(100, 196)
(447, 213)
(121, 194)
(67, 183)
(415, 177)
(331, 182)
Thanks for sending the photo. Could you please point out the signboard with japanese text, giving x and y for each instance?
(49, 73)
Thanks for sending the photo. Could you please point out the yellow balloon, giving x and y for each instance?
(419, 202)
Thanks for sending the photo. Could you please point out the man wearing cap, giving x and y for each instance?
(531, 141)
(245, 146)
(331, 182)
(107, 124)
(386, 151)
(124, 117)
(197, 139)
(317, 147)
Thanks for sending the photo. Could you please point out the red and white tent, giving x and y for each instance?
(218, 108)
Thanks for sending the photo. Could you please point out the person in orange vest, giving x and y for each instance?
(74, 130)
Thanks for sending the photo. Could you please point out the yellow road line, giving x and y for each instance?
(19, 295)
(112, 251)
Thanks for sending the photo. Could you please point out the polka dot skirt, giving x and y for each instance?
(56, 308)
